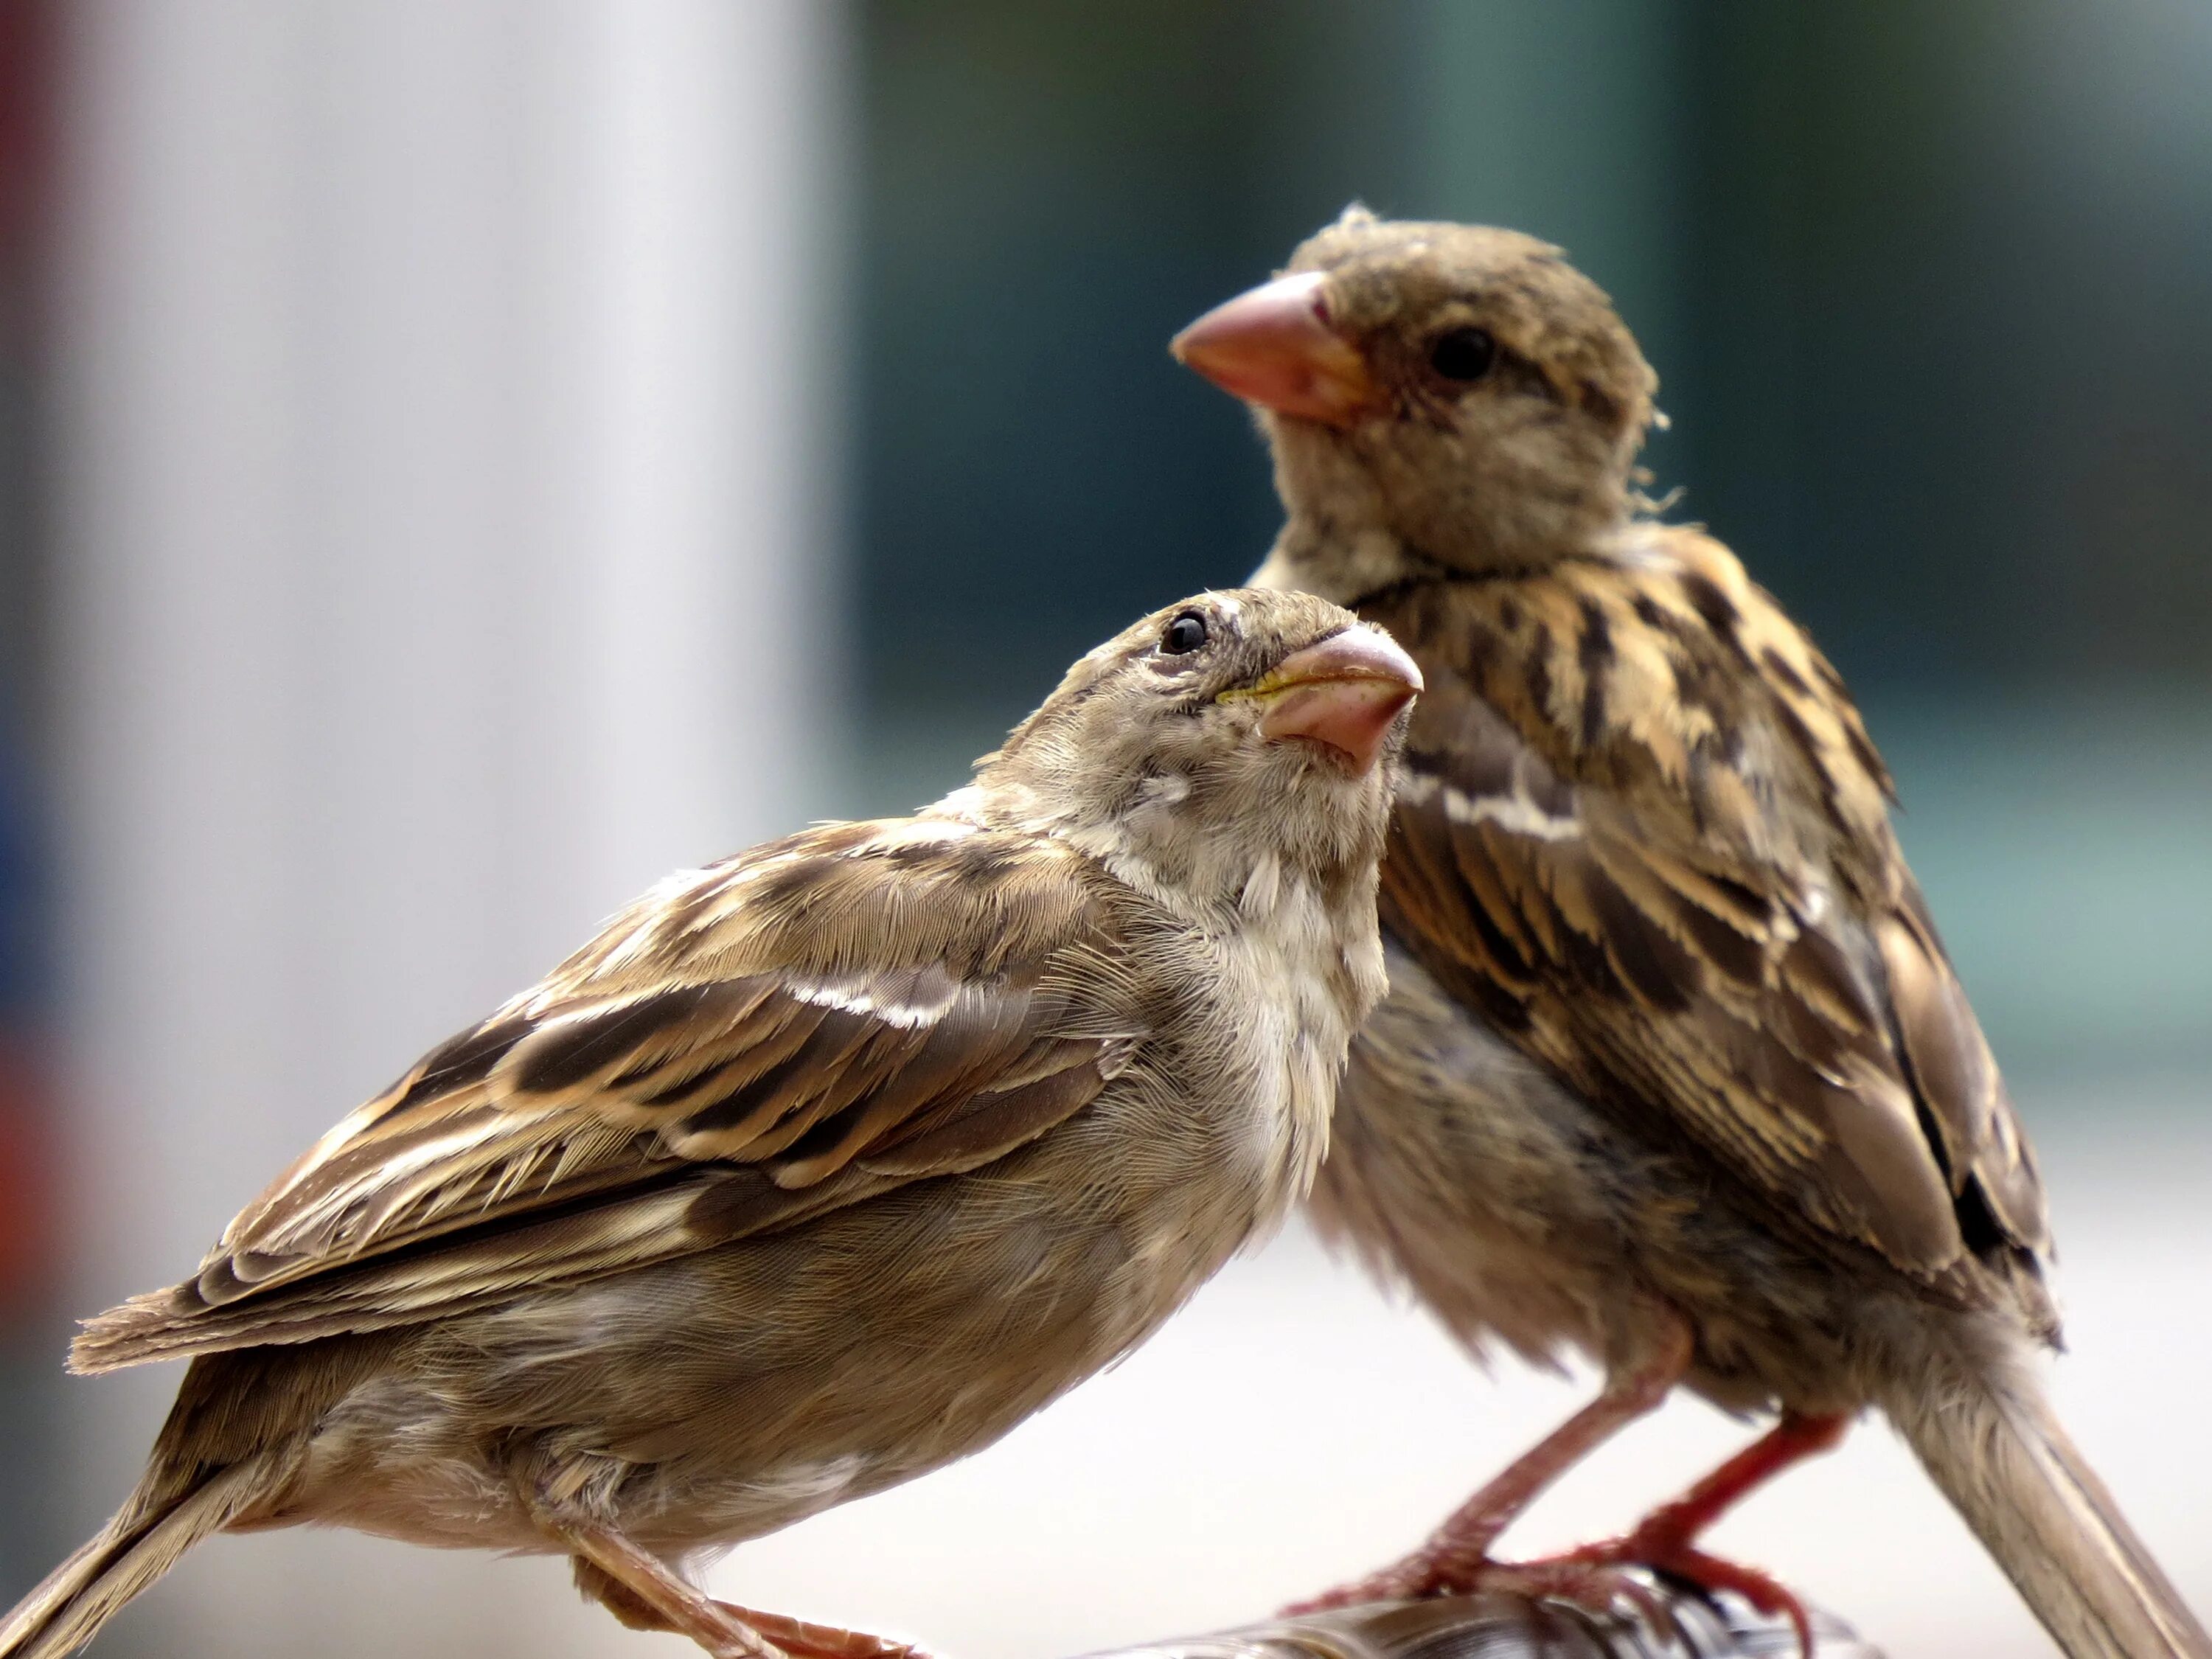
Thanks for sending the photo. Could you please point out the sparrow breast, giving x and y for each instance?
(1307, 973)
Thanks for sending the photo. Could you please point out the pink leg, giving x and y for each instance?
(1456, 1559)
(646, 1593)
(643, 1591)
(1666, 1539)
(807, 1640)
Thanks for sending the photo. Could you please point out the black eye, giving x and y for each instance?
(1183, 635)
(1464, 354)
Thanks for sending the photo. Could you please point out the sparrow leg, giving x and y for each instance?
(1457, 1558)
(799, 1637)
(646, 1593)
(1665, 1539)
(1789, 1443)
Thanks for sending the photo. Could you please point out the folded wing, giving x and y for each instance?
(796, 1029)
(1670, 878)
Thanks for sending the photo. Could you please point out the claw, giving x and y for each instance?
(1707, 1573)
(1766, 1593)
(804, 1639)
(1597, 1578)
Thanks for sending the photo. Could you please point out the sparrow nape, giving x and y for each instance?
(819, 1167)
(1673, 1069)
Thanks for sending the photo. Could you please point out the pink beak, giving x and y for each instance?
(1343, 693)
(1273, 346)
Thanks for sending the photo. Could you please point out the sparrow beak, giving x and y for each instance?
(1273, 346)
(1343, 693)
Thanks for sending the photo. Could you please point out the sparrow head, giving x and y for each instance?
(1214, 734)
(1462, 388)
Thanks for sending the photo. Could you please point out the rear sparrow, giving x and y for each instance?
(818, 1168)
(1673, 1069)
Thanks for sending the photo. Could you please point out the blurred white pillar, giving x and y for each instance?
(444, 467)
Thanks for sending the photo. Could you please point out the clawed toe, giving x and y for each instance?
(1709, 1575)
(1766, 1593)
(1600, 1578)
(802, 1639)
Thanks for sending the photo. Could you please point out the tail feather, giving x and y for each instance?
(1988, 1438)
(141, 1542)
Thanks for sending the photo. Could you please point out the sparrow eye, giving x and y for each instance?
(1183, 635)
(1463, 353)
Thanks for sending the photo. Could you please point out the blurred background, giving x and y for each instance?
(459, 459)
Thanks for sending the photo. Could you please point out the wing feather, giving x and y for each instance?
(795, 1028)
(1693, 910)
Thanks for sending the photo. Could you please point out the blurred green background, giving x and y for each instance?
(1928, 289)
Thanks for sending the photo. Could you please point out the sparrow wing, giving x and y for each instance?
(1641, 831)
(795, 1028)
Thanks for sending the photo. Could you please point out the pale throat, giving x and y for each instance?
(1338, 539)
(1334, 564)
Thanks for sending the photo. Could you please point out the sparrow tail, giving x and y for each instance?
(141, 1542)
(1986, 1435)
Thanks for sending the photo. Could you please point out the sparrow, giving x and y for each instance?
(819, 1167)
(1674, 1071)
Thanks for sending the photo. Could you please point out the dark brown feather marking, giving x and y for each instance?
(1538, 669)
(1671, 934)
(1661, 971)
(463, 1060)
(985, 1125)
(1862, 751)
(1778, 665)
(579, 1049)
(1594, 653)
(1716, 608)
(1738, 955)
(601, 1122)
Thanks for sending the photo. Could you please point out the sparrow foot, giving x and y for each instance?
(1665, 1540)
(804, 1639)
(1676, 1558)
(645, 1593)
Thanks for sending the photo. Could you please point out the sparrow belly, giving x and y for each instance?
(1521, 1213)
(718, 1397)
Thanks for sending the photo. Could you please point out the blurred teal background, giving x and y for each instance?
(460, 458)
(1929, 289)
